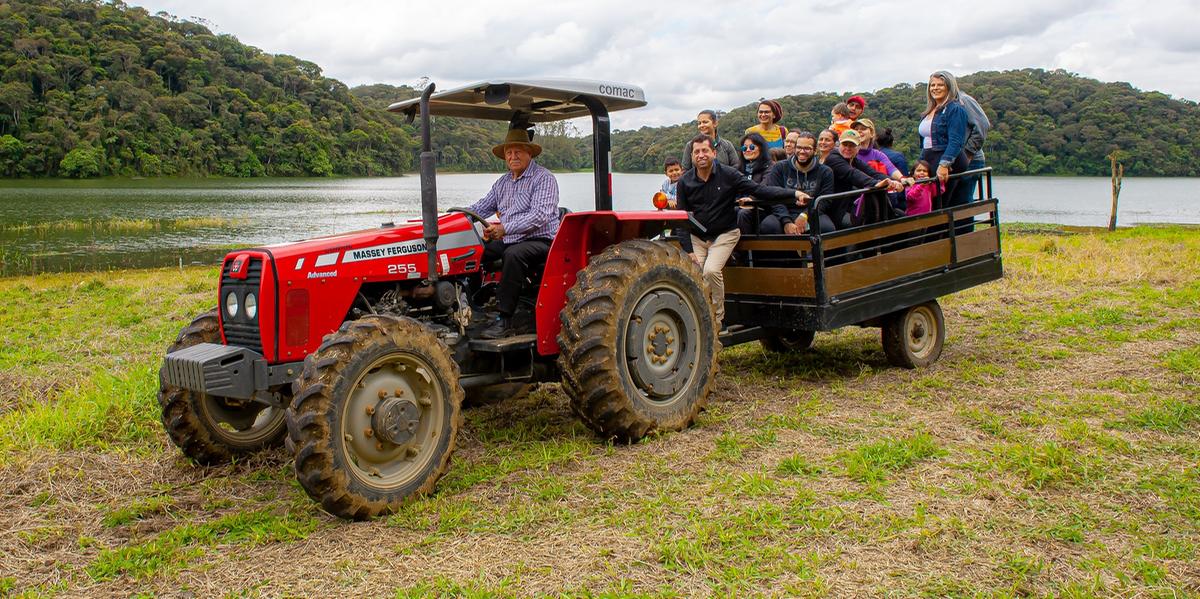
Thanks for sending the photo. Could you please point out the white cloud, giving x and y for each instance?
(713, 54)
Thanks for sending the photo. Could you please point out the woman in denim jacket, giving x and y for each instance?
(943, 130)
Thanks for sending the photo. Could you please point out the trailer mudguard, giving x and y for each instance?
(582, 235)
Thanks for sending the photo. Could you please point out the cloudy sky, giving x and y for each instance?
(696, 54)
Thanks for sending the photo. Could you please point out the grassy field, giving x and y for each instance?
(1053, 451)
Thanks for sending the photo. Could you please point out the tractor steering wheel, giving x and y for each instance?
(472, 214)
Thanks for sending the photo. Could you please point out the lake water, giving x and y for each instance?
(88, 225)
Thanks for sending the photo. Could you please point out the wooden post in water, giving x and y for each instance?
(1118, 174)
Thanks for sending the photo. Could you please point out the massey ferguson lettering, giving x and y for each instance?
(385, 251)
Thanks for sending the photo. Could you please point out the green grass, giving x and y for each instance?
(1172, 415)
(1047, 465)
(141, 508)
(122, 225)
(875, 462)
(181, 545)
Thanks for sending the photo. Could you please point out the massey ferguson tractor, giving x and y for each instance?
(356, 348)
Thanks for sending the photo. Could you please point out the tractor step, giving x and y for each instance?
(507, 344)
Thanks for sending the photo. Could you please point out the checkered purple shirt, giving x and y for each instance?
(528, 205)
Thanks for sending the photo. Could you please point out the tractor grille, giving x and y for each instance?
(241, 330)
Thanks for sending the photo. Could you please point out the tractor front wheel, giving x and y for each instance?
(213, 430)
(638, 341)
(376, 414)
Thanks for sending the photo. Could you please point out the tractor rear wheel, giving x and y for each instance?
(783, 341)
(213, 430)
(913, 337)
(638, 341)
(376, 414)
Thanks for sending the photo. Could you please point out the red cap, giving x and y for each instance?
(861, 101)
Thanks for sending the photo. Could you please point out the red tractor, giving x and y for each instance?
(358, 347)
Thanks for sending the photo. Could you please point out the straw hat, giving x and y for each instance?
(518, 137)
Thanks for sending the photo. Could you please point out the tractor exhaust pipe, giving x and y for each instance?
(429, 206)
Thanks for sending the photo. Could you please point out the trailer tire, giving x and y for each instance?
(376, 415)
(638, 345)
(787, 341)
(914, 337)
(213, 430)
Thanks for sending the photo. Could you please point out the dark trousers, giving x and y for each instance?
(520, 261)
(875, 208)
(946, 198)
(967, 186)
(753, 221)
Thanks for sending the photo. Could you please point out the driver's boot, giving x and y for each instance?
(503, 327)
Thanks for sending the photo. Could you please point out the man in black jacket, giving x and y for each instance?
(804, 173)
(850, 172)
(710, 191)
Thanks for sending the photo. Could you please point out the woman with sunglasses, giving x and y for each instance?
(755, 164)
(755, 159)
(769, 115)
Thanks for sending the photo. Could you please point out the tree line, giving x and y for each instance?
(92, 88)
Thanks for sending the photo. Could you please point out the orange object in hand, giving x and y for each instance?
(660, 200)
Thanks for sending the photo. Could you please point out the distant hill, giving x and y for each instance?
(1044, 123)
(89, 88)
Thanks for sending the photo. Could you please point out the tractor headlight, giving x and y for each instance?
(231, 304)
(251, 306)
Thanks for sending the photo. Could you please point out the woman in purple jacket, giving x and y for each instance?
(943, 130)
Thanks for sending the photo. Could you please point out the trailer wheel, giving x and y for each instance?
(376, 414)
(638, 342)
(209, 429)
(913, 338)
(783, 341)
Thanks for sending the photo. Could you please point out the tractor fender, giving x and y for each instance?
(582, 235)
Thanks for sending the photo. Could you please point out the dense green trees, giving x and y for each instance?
(92, 88)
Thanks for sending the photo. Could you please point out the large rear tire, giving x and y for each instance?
(914, 337)
(213, 430)
(376, 415)
(638, 341)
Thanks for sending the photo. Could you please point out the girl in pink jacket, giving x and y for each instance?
(920, 196)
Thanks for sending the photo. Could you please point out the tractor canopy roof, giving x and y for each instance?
(537, 100)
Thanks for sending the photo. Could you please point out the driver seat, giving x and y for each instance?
(497, 264)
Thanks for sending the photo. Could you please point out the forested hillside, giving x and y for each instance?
(90, 88)
(1043, 123)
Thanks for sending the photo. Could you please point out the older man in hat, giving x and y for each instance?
(526, 200)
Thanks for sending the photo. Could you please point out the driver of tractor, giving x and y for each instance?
(526, 200)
